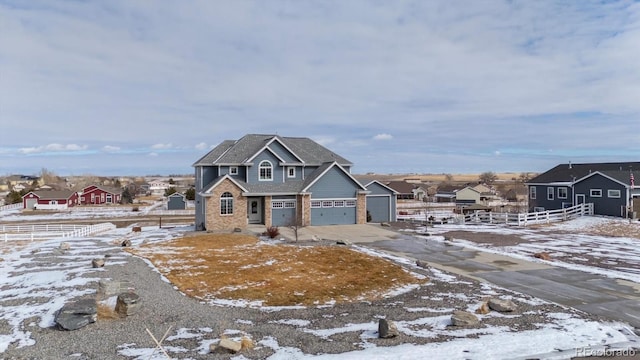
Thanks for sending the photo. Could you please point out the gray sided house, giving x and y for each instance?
(606, 185)
(275, 181)
(381, 202)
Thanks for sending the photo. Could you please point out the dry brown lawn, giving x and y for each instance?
(240, 267)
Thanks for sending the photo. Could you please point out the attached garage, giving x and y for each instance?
(381, 202)
(333, 212)
(283, 212)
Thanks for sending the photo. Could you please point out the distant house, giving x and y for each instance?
(478, 194)
(446, 193)
(100, 195)
(158, 187)
(50, 200)
(609, 186)
(407, 191)
(176, 201)
(275, 181)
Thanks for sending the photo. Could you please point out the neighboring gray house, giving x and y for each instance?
(381, 202)
(606, 185)
(176, 201)
(275, 181)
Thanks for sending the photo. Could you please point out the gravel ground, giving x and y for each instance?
(164, 307)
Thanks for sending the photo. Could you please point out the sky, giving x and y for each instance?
(129, 87)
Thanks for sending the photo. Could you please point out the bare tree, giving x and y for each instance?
(488, 177)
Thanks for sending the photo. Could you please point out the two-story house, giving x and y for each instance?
(609, 186)
(275, 181)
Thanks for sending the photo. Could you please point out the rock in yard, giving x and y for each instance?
(463, 318)
(542, 256)
(97, 263)
(387, 329)
(65, 246)
(109, 288)
(385, 224)
(126, 243)
(422, 264)
(78, 314)
(502, 305)
(227, 345)
(128, 304)
(343, 242)
(136, 229)
(483, 309)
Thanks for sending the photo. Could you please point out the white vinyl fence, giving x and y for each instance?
(50, 231)
(542, 217)
(11, 206)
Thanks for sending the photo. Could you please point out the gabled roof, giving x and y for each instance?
(571, 172)
(319, 172)
(381, 184)
(219, 179)
(402, 187)
(103, 188)
(52, 194)
(238, 152)
(621, 177)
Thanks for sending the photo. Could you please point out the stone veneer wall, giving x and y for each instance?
(267, 211)
(361, 209)
(304, 209)
(216, 221)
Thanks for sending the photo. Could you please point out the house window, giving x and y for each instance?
(291, 172)
(562, 193)
(93, 198)
(266, 171)
(233, 170)
(350, 203)
(595, 193)
(226, 204)
(338, 203)
(53, 202)
(102, 197)
(316, 204)
(613, 194)
(549, 193)
(532, 192)
(290, 204)
(277, 204)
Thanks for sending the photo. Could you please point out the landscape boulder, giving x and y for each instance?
(125, 243)
(226, 345)
(77, 314)
(128, 304)
(97, 263)
(463, 318)
(483, 309)
(343, 242)
(542, 256)
(65, 246)
(422, 264)
(502, 305)
(109, 288)
(136, 229)
(387, 329)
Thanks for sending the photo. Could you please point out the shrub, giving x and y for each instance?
(135, 208)
(272, 231)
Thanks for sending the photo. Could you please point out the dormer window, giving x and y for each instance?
(265, 170)
(233, 170)
(291, 172)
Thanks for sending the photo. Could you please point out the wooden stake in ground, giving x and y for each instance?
(159, 343)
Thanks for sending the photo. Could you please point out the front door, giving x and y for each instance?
(580, 199)
(255, 210)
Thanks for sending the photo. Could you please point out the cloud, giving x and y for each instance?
(53, 148)
(162, 146)
(201, 146)
(383, 137)
(110, 148)
(153, 154)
